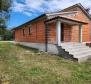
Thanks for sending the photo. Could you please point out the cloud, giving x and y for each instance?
(34, 3)
(30, 7)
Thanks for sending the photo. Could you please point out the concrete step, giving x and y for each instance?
(72, 44)
(74, 48)
(83, 57)
(83, 53)
(79, 51)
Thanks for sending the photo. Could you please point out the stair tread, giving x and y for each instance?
(80, 51)
(77, 50)
(74, 46)
(84, 55)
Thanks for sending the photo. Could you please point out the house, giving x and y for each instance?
(64, 32)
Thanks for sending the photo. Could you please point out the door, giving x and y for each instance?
(62, 32)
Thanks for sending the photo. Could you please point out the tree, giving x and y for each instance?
(8, 35)
(4, 14)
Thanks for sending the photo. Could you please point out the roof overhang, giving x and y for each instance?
(66, 20)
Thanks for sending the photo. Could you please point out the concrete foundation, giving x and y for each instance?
(51, 48)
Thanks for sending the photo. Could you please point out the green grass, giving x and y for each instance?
(29, 66)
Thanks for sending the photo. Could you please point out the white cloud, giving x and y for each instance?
(34, 3)
(30, 7)
(18, 7)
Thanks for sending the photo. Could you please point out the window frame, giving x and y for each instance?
(23, 32)
(29, 29)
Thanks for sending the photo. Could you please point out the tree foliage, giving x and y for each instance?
(5, 5)
(4, 14)
(8, 35)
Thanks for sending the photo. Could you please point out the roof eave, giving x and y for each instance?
(58, 18)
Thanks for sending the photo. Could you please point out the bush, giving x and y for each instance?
(8, 36)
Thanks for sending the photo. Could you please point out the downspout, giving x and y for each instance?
(46, 37)
(36, 30)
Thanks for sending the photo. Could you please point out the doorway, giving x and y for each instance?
(62, 32)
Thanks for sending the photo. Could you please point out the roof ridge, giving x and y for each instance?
(64, 8)
(81, 7)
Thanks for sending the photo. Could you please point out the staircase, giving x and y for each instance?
(79, 51)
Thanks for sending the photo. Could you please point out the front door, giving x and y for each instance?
(62, 32)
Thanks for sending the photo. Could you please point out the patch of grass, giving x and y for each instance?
(27, 48)
(29, 66)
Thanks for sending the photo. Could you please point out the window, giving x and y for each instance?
(23, 32)
(27, 30)
(30, 27)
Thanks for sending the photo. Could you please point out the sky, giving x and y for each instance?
(25, 10)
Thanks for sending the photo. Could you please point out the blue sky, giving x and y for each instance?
(17, 18)
(25, 10)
